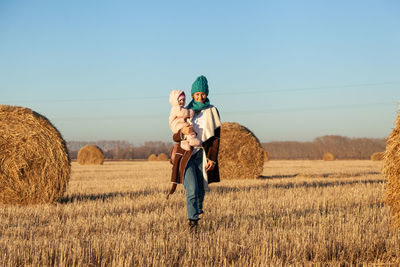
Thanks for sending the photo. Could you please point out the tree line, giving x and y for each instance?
(117, 149)
(341, 147)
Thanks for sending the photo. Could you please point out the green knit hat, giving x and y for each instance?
(200, 85)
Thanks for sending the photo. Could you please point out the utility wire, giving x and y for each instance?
(262, 111)
(287, 90)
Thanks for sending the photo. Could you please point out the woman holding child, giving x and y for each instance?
(195, 165)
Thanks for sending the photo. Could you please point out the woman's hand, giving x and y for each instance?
(187, 130)
(210, 165)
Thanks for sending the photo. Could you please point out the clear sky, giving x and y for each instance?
(287, 70)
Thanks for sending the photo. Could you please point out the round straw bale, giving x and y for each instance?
(328, 156)
(152, 157)
(90, 155)
(377, 156)
(240, 154)
(391, 171)
(34, 162)
(162, 157)
(266, 155)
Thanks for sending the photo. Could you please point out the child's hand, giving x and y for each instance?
(187, 130)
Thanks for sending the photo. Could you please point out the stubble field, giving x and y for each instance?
(298, 212)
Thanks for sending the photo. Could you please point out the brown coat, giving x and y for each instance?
(211, 148)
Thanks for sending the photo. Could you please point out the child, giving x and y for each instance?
(179, 117)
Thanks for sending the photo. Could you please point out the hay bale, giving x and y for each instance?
(152, 157)
(90, 155)
(240, 154)
(34, 162)
(377, 156)
(266, 156)
(391, 171)
(162, 157)
(328, 156)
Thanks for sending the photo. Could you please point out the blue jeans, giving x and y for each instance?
(194, 185)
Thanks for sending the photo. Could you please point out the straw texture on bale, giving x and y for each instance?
(391, 171)
(377, 156)
(34, 162)
(240, 154)
(152, 157)
(90, 155)
(328, 156)
(162, 157)
(266, 155)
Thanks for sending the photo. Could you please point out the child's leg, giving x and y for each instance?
(193, 140)
(185, 145)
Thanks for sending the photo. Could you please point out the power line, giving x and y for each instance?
(263, 111)
(287, 90)
(317, 88)
(330, 107)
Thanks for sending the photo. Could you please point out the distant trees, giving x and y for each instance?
(117, 149)
(340, 146)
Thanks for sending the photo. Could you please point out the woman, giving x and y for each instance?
(199, 165)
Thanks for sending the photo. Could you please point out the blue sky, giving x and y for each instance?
(287, 70)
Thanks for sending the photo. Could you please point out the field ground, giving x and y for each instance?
(298, 212)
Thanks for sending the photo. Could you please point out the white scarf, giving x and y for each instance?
(204, 124)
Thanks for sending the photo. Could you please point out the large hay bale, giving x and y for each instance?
(377, 156)
(266, 155)
(240, 154)
(90, 155)
(162, 157)
(328, 156)
(152, 157)
(34, 162)
(391, 171)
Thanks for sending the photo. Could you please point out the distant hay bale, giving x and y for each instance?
(328, 156)
(152, 157)
(240, 155)
(391, 171)
(90, 155)
(162, 157)
(266, 155)
(34, 162)
(377, 156)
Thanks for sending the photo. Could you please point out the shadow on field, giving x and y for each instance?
(280, 176)
(105, 196)
(290, 185)
(318, 175)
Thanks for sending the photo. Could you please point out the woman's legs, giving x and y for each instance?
(193, 183)
(200, 183)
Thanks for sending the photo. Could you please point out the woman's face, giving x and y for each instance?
(199, 97)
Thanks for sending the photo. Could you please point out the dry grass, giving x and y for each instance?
(300, 212)
(162, 157)
(90, 155)
(34, 162)
(240, 155)
(328, 156)
(266, 156)
(152, 157)
(377, 156)
(391, 171)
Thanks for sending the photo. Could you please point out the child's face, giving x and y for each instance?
(181, 102)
